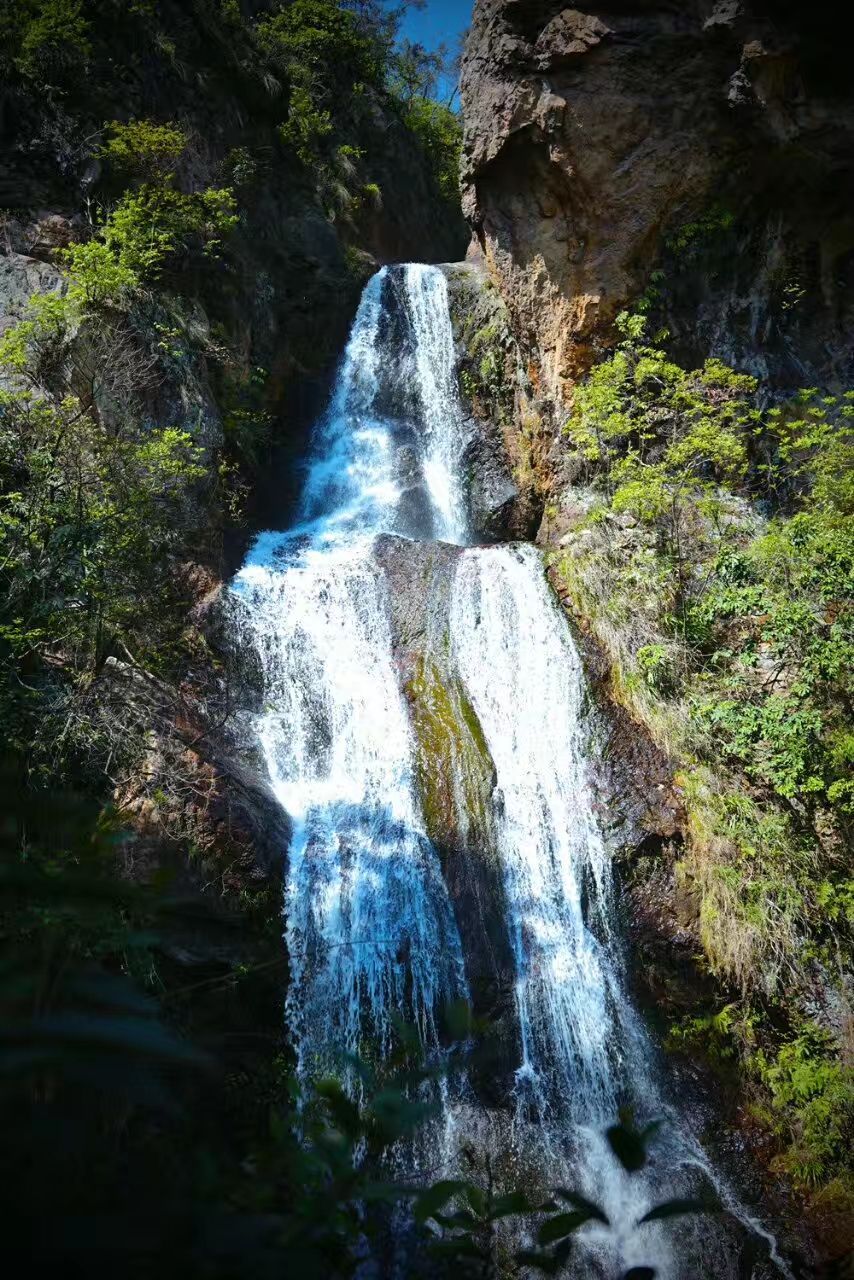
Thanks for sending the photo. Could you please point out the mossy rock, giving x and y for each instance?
(456, 775)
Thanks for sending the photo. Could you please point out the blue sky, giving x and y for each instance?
(439, 20)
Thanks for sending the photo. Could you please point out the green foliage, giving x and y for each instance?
(691, 236)
(328, 58)
(467, 1211)
(306, 126)
(87, 518)
(144, 234)
(790, 728)
(75, 1020)
(89, 521)
(143, 149)
(48, 40)
(667, 445)
(157, 223)
(717, 1035)
(732, 638)
(661, 438)
(662, 441)
(93, 1061)
(655, 664)
(336, 59)
(440, 133)
(242, 169)
(812, 1096)
(415, 71)
(372, 194)
(325, 39)
(35, 347)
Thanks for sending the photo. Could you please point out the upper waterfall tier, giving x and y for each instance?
(387, 455)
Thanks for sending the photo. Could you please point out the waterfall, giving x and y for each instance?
(584, 1053)
(368, 919)
(386, 456)
(370, 925)
(522, 673)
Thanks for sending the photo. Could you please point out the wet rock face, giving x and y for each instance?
(495, 500)
(593, 133)
(505, 503)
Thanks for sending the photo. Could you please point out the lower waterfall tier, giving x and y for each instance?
(425, 727)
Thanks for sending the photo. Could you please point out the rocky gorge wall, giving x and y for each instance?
(594, 133)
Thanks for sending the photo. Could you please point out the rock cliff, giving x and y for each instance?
(594, 135)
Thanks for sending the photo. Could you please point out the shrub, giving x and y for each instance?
(328, 57)
(88, 517)
(439, 131)
(655, 663)
(51, 38)
(142, 149)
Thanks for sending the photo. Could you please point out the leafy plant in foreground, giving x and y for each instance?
(468, 1214)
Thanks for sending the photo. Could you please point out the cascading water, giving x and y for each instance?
(370, 926)
(370, 929)
(522, 673)
(583, 1051)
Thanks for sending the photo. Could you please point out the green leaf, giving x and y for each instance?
(628, 1146)
(563, 1224)
(541, 1261)
(676, 1208)
(436, 1197)
(344, 1112)
(458, 1247)
(476, 1199)
(581, 1202)
(460, 1220)
(509, 1205)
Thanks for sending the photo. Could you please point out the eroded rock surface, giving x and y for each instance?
(594, 133)
(503, 486)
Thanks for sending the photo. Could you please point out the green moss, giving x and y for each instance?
(455, 769)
